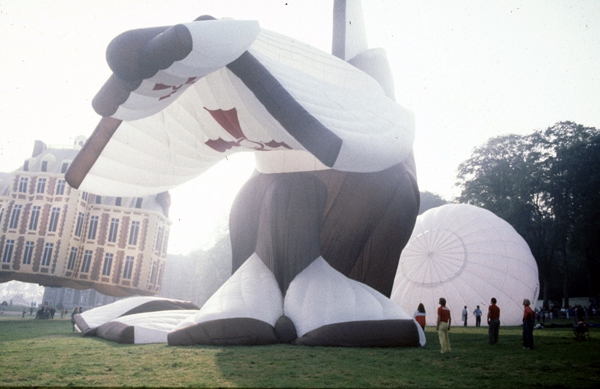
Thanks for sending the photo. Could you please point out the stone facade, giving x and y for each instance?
(57, 236)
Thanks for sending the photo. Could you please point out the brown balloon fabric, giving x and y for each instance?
(283, 212)
(88, 155)
(368, 221)
(116, 332)
(83, 326)
(225, 332)
(370, 333)
(363, 221)
(285, 330)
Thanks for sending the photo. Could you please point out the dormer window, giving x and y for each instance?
(44, 166)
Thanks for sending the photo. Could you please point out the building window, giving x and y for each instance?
(41, 185)
(72, 257)
(79, 225)
(138, 202)
(54, 219)
(114, 227)
(26, 166)
(84, 196)
(60, 187)
(153, 274)
(98, 199)
(108, 258)
(8, 250)
(47, 254)
(16, 214)
(165, 243)
(28, 253)
(35, 216)
(118, 201)
(128, 267)
(64, 167)
(133, 232)
(159, 239)
(87, 260)
(93, 227)
(44, 166)
(23, 181)
(160, 271)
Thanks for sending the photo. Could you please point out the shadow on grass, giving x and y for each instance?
(557, 360)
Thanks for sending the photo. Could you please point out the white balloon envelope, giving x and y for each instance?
(467, 255)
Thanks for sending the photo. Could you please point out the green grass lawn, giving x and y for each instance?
(48, 353)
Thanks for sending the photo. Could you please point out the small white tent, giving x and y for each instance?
(467, 255)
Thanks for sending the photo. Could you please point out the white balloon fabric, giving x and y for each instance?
(89, 321)
(174, 130)
(143, 328)
(251, 292)
(467, 255)
(105, 313)
(320, 296)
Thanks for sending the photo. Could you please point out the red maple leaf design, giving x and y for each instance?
(228, 119)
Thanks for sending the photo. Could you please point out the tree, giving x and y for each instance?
(498, 177)
(559, 147)
(430, 200)
(544, 185)
(575, 194)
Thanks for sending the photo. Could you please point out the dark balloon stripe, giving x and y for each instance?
(241, 331)
(306, 129)
(368, 333)
(161, 305)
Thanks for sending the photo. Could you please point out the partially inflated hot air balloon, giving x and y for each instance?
(467, 255)
(318, 229)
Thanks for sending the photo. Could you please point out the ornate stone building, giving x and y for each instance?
(55, 235)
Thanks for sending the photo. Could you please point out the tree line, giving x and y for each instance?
(547, 186)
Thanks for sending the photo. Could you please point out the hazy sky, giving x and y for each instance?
(469, 70)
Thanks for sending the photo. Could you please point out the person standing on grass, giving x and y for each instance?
(419, 315)
(528, 321)
(465, 315)
(493, 319)
(477, 313)
(75, 312)
(444, 319)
